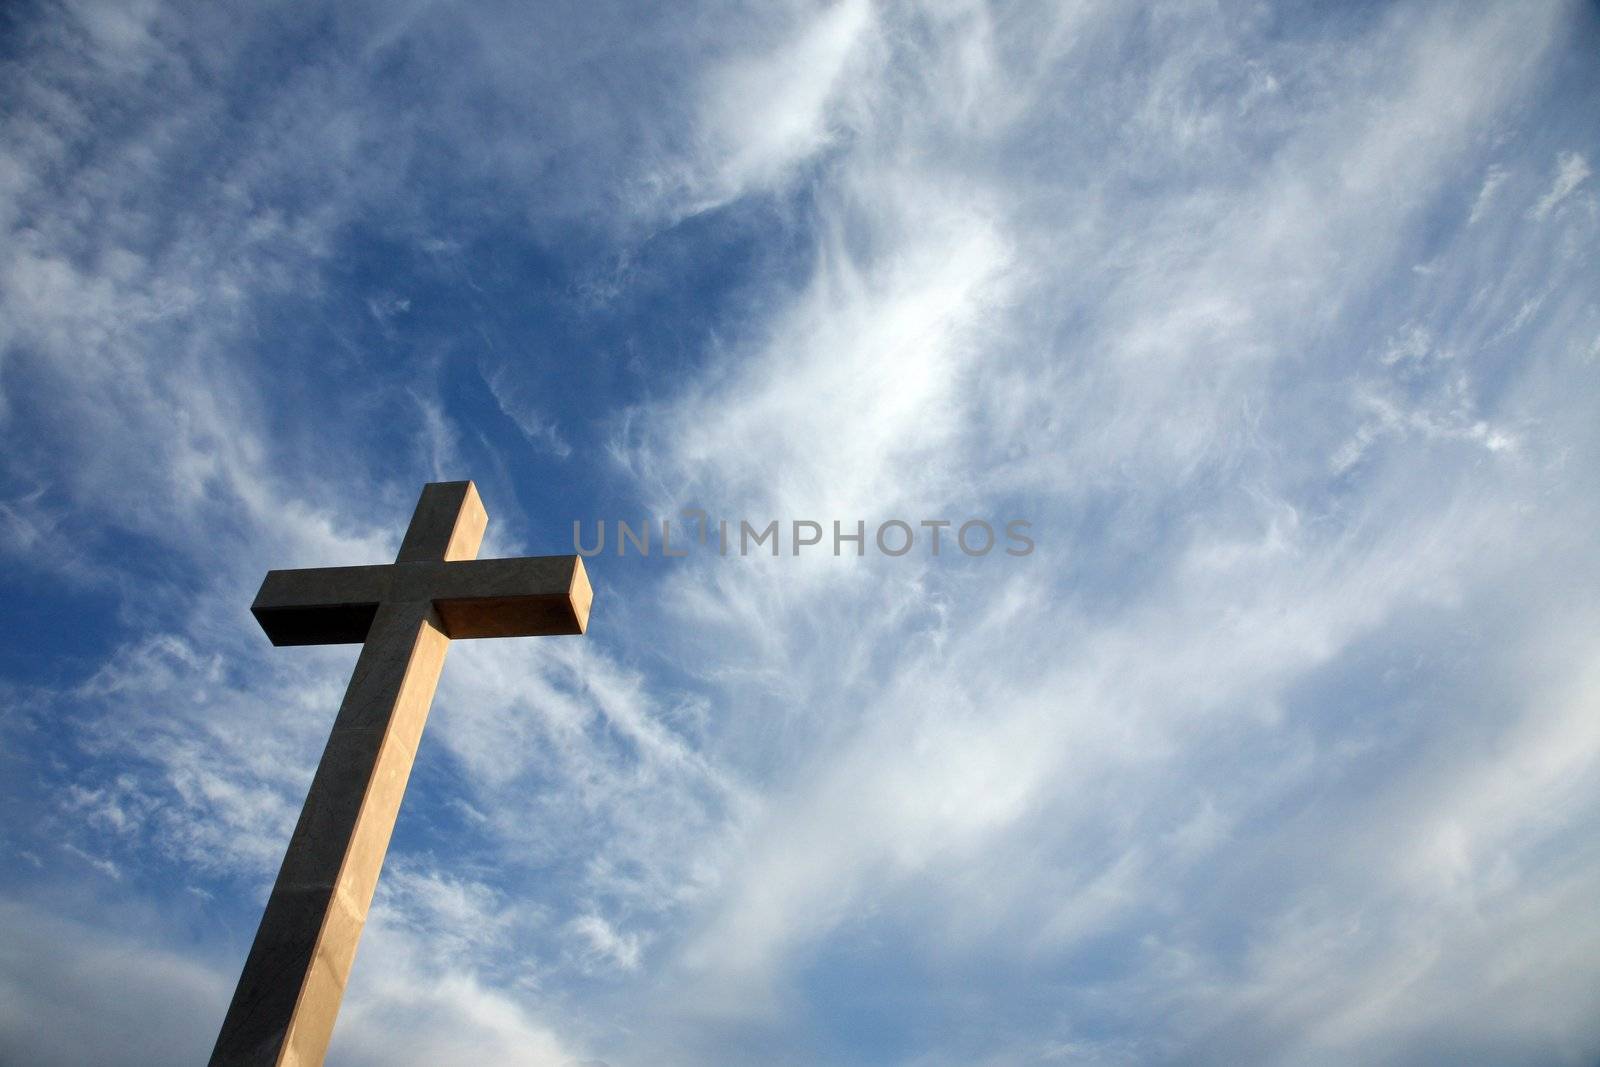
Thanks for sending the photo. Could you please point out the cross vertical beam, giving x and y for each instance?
(283, 1009)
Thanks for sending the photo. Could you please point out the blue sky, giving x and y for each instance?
(1277, 322)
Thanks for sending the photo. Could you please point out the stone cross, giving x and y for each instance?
(404, 615)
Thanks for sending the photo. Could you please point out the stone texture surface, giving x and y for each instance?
(534, 596)
(406, 613)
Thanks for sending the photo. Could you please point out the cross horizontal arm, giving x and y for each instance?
(527, 597)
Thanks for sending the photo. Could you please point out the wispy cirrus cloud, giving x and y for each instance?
(1573, 171)
(1173, 376)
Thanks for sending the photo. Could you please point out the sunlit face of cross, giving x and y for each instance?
(404, 614)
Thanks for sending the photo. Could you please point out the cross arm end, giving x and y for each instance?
(540, 596)
(319, 605)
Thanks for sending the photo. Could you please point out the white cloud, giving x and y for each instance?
(408, 1005)
(72, 994)
(762, 115)
(963, 744)
(1492, 181)
(514, 402)
(1571, 173)
(604, 945)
